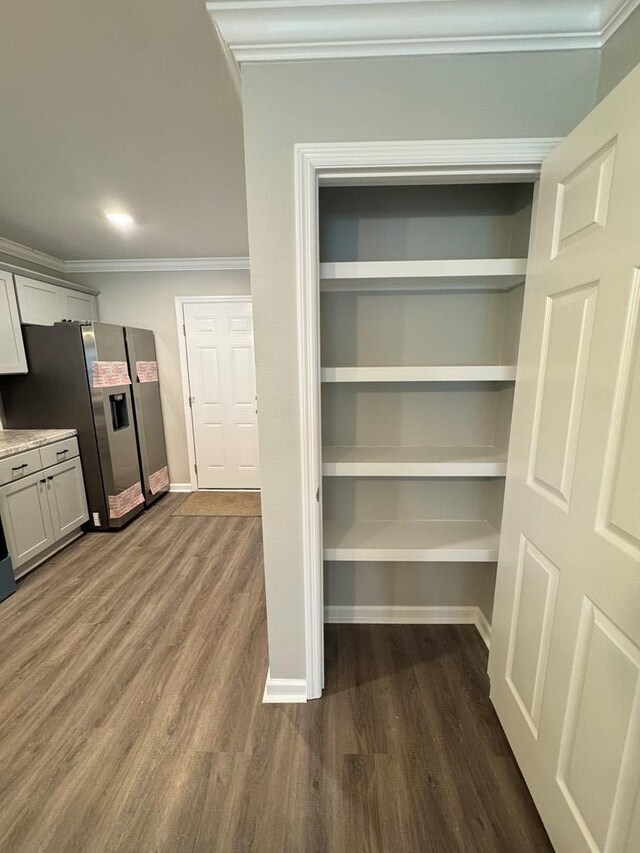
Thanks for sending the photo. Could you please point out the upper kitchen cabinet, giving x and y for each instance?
(12, 355)
(44, 304)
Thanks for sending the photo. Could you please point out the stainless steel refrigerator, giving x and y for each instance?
(79, 377)
(143, 370)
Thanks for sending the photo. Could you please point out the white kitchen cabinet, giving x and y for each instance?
(44, 304)
(39, 301)
(44, 507)
(26, 517)
(79, 306)
(67, 501)
(12, 355)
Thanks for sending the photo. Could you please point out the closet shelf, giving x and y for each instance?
(414, 462)
(411, 541)
(430, 373)
(479, 274)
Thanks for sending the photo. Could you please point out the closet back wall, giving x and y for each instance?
(429, 97)
(148, 300)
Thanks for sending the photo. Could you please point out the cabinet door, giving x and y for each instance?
(12, 357)
(67, 500)
(26, 519)
(40, 303)
(80, 306)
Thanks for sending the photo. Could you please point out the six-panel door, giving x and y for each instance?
(565, 647)
(219, 338)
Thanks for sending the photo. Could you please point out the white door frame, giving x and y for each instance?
(180, 302)
(334, 163)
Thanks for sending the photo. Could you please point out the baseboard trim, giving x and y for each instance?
(403, 615)
(484, 627)
(180, 487)
(284, 690)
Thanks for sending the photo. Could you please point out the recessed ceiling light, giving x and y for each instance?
(120, 220)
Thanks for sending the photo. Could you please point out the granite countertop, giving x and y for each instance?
(18, 440)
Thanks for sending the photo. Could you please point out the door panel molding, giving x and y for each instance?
(556, 359)
(530, 706)
(605, 737)
(621, 439)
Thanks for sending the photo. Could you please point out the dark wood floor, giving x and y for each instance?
(131, 675)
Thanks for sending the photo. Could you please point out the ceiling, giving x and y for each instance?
(123, 104)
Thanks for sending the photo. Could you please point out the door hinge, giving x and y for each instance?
(191, 401)
(318, 494)
(195, 467)
(184, 330)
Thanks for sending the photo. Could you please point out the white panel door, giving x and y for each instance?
(12, 355)
(219, 340)
(40, 302)
(565, 649)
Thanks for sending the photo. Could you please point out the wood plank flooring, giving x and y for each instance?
(131, 675)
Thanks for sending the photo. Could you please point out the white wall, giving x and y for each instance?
(148, 300)
(500, 95)
(620, 54)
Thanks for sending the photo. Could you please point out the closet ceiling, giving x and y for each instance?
(124, 104)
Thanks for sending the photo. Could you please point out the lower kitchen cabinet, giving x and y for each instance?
(42, 508)
(67, 502)
(26, 517)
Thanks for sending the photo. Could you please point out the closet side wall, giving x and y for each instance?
(434, 97)
(620, 54)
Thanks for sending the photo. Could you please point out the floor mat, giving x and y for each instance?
(221, 503)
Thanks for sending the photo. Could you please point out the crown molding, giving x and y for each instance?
(156, 264)
(26, 253)
(294, 30)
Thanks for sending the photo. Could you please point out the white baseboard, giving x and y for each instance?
(484, 627)
(179, 487)
(278, 690)
(400, 615)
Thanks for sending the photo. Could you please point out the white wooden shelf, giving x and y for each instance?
(429, 373)
(479, 274)
(411, 541)
(414, 462)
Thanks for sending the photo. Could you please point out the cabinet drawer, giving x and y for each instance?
(59, 452)
(18, 466)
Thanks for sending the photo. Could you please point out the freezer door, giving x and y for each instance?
(143, 368)
(112, 404)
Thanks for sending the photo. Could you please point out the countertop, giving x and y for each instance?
(14, 441)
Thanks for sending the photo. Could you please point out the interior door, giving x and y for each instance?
(219, 339)
(565, 650)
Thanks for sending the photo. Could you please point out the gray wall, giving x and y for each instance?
(148, 300)
(620, 54)
(500, 95)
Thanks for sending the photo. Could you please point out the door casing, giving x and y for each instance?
(357, 163)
